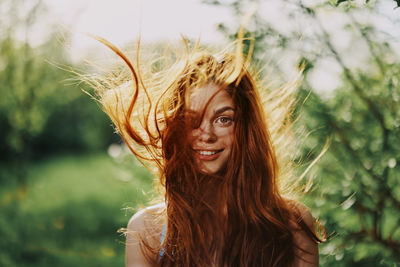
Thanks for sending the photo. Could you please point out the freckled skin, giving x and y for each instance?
(215, 133)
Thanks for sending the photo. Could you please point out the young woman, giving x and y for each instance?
(220, 153)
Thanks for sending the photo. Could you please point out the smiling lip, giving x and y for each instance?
(207, 155)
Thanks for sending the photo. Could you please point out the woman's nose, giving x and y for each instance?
(206, 133)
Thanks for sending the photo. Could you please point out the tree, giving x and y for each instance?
(356, 187)
(27, 81)
(42, 109)
(366, 1)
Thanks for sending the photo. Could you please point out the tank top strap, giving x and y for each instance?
(162, 237)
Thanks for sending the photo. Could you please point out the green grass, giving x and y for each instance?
(71, 213)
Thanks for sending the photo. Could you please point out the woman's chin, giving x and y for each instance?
(211, 169)
(206, 170)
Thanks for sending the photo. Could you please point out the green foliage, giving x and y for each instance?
(72, 213)
(42, 107)
(63, 211)
(39, 111)
(366, 1)
(54, 213)
(356, 191)
(358, 173)
(341, 1)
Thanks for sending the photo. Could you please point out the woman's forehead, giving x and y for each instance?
(209, 95)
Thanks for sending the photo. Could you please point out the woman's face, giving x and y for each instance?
(211, 142)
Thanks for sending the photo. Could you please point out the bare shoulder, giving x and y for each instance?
(305, 214)
(307, 248)
(145, 225)
(146, 218)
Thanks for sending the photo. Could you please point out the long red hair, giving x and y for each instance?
(238, 216)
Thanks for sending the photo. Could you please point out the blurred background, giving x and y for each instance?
(67, 184)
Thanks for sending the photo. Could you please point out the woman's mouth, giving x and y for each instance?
(208, 155)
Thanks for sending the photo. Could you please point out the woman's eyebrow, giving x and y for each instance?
(223, 109)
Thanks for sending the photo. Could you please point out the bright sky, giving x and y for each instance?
(119, 21)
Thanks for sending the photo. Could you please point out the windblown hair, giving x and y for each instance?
(240, 216)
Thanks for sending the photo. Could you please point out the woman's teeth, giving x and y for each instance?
(208, 153)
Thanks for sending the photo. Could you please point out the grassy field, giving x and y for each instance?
(71, 212)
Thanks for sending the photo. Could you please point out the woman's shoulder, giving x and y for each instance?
(144, 226)
(306, 246)
(300, 211)
(147, 218)
(304, 213)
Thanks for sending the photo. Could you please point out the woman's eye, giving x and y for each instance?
(223, 120)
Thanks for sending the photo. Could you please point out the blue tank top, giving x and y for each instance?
(163, 231)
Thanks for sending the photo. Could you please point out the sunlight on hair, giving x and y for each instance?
(147, 99)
